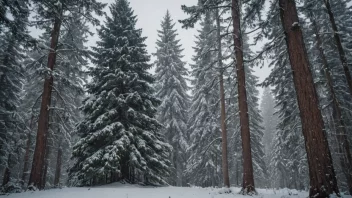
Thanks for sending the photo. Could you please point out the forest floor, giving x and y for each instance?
(118, 190)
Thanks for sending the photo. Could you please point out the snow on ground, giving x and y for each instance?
(118, 190)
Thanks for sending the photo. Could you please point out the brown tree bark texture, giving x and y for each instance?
(321, 171)
(341, 132)
(225, 166)
(248, 180)
(36, 176)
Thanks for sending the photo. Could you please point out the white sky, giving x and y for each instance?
(150, 13)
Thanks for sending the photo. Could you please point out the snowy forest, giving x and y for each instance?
(76, 115)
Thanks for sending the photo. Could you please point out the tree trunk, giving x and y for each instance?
(46, 163)
(58, 166)
(248, 180)
(342, 54)
(36, 176)
(321, 172)
(6, 177)
(7, 172)
(225, 169)
(27, 152)
(341, 132)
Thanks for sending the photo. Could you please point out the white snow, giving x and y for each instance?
(118, 190)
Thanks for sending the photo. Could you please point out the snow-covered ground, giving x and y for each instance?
(134, 191)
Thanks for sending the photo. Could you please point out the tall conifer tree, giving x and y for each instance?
(204, 125)
(53, 15)
(120, 137)
(172, 90)
(13, 37)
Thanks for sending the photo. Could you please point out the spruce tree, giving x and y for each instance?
(288, 165)
(120, 137)
(321, 171)
(172, 90)
(13, 37)
(255, 118)
(267, 108)
(53, 16)
(195, 13)
(67, 93)
(11, 11)
(333, 90)
(204, 126)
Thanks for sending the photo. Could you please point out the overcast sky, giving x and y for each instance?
(151, 12)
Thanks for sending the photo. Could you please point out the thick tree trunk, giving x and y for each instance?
(36, 176)
(58, 166)
(225, 166)
(321, 172)
(27, 152)
(248, 180)
(341, 132)
(342, 54)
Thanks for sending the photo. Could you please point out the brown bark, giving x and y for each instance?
(341, 132)
(36, 176)
(321, 172)
(248, 180)
(225, 169)
(58, 166)
(342, 54)
(225, 166)
(26, 155)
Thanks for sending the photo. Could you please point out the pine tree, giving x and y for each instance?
(255, 118)
(255, 123)
(339, 44)
(13, 37)
(288, 165)
(172, 90)
(196, 12)
(270, 121)
(119, 136)
(323, 55)
(267, 108)
(322, 175)
(55, 14)
(11, 11)
(67, 92)
(224, 146)
(204, 125)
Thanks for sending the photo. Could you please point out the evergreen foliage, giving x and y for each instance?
(172, 91)
(13, 37)
(68, 88)
(204, 124)
(288, 166)
(119, 136)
